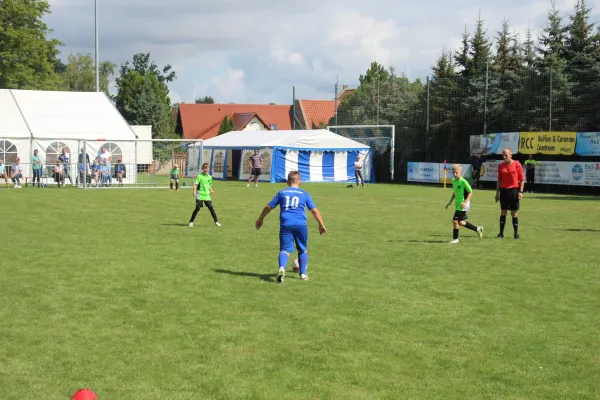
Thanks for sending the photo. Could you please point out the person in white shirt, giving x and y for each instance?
(104, 155)
(3, 172)
(358, 169)
(59, 173)
(16, 173)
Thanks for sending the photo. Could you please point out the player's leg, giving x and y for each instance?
(504, 205)
(171, 182)
(455, 226)
(251, 176)
(301, 241)
(514, 213)
(286, 246)
(256, 176)
(362, 179)
(212, 212)
(470, 226)
(176, 183)
(356, 177)
(198, 207)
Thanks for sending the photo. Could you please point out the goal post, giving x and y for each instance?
(137, 163)
(374, 137)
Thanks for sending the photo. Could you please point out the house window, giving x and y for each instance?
(273, 127)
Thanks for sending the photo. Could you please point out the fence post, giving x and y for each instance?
(427, 125)
(550, 105)
(485, 108)
(85, 165)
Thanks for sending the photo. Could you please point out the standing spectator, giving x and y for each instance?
(104, 155)
(59, 173)
(16, 173)
(120, 171)
(509, 190)
(530, 173)
(476, 169)
(81, 167)
(65, 159)
(3, 172)
(36, 164)
(358, 171)
(255, 162)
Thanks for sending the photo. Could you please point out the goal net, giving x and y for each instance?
(380, 138)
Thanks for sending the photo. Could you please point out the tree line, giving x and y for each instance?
(502, 84)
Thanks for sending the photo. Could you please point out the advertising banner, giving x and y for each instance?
(489, 171)
(423, 172)
(505, 140)
(547, 143)
(482, 144)
(588, 144)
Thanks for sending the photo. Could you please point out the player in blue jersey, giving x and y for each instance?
(292, 223)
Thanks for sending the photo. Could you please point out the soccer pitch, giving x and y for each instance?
(111, 290)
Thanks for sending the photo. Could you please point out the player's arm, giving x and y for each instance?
(315, 212)
(498, 186)
(195, 187)
(451, 200)
(263, 214)
(521, 178)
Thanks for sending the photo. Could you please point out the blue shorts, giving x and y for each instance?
(290, 235)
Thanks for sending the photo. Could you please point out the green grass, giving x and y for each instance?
(110, 289)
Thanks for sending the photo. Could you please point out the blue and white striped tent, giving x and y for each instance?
(319, 155)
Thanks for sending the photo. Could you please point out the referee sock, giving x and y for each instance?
(502, 223)
(303, 261)
(283, 259)
(454, 234)
(516, 224)
(471, 226)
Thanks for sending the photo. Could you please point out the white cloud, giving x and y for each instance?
(233, 52)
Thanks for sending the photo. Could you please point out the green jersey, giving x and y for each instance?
(203, 184)
(530, 162)
(461, 189)
(35, 161)
(175, 171)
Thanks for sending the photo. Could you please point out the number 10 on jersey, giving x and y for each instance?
(295, 202)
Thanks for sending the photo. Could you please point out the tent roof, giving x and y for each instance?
(61, 115)
(321, 139)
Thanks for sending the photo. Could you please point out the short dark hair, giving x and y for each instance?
(205, 164)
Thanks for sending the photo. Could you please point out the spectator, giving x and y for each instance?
(105, 171)
(358, 171)
(530, 173)
(95, 172)
(476, 169)
(3, 172)
(255, 162)
(120, 172)
(36, 164)
(59, 173)
(87, 177)
(16, 173)
(80, 162)
(65, 159)
(104, 155)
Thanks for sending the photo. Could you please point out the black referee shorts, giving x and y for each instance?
(509, 199)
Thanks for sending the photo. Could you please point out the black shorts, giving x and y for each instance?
(255, 172)
(208, 203)
(509, 199)
(174, 176)
(460, 216)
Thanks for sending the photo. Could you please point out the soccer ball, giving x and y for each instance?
(296, 265)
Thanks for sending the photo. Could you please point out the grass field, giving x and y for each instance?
(111, 290)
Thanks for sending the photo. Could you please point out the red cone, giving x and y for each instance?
(84, 394)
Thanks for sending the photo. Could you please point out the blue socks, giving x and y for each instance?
(283, 259)
(303, 261)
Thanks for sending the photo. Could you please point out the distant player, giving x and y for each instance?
(255, 162)
(202, 191)
(292, 223)
(175, 177)
(461, 194)
(530, 173)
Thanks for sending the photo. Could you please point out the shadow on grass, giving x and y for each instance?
(264, 277)
(570, 198)
(578, 230)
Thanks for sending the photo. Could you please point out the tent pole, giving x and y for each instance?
(85, 166)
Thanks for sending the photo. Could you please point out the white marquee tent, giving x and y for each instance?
(50, 121)
(319, 155)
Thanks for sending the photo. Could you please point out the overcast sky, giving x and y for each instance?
(255, 51)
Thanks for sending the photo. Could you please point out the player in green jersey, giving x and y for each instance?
(461, 194)
(174, 175)
(202, 191)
